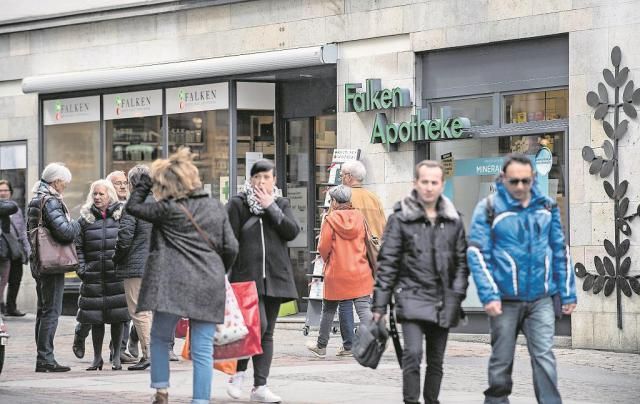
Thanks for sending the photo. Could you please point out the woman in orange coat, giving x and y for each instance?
(347, 275)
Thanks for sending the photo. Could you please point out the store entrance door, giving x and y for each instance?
(309, 145)
(298, 143)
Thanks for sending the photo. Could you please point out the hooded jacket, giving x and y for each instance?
(102, 299)
(347, 274)
(413, 247)
(522, 254)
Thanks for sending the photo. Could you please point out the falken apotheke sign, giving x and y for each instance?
(71, 110)
(132, 105)
(374, 98)
(208, 97)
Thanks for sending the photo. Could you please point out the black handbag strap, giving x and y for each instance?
(198, 228)
(393, 331)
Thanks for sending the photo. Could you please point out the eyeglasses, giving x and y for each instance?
(515, 181)
(121, 183)
(344, 174)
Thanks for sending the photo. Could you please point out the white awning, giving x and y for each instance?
(177, 71)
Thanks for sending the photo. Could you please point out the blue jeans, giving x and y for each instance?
(201, 334)
(50, 289)
(329, 307)
(347, 324)
(536, 320)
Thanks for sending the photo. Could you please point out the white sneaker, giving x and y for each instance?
(234, 385)
(262, 394)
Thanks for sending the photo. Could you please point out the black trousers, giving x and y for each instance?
(436, 342)
(269, 308)
(15, 277)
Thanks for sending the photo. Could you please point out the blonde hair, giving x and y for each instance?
(176, 177)
(111, 192)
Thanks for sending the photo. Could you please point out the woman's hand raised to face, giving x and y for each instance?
(263, 197)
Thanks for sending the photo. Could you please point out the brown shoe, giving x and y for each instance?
(161, 398)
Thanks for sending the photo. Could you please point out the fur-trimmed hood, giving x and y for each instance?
(411, 208)
(91, 214)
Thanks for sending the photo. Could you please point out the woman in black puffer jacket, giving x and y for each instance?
(102, 299)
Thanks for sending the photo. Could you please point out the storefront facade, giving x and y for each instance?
(518, 71)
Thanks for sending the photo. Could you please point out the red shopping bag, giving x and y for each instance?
(182, 327)
(247, 296)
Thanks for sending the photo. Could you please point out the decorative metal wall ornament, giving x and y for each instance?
(613, 273)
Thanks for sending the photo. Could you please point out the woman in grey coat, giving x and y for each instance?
(192, 245)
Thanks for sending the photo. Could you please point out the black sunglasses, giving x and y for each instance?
(515, 181)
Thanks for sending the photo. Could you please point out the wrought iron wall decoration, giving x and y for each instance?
(612, 271)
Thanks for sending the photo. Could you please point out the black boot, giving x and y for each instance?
(3, 309)
(142, 365)
(78, 346)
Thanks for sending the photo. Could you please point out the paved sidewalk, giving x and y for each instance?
(585, 376)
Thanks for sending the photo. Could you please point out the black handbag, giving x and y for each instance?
(10, 247)
(370, 343)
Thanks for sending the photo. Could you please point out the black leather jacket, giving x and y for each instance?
(405, 264)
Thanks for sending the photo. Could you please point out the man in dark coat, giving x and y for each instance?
(130, 257)
(423, 263)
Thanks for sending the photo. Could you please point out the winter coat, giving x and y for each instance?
(522, 254)
(132, 247)
(184, 275)
(19, 229)
(347, 274)
(264, 255)
(412, 249)
(55, 217)
(102, 299)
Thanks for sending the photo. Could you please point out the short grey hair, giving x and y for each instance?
(136, 173)
(355, 168)
(114, 173)
(341, 194)
(54, 172)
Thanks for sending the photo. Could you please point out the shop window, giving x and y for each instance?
(256, 136)
(536, 106)
(72, 136)
(199, 120)
(472, 166)
(478, 110)
(133, 129)
(13, 167)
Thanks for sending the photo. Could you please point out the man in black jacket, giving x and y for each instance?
(423, 263)
(130, 258)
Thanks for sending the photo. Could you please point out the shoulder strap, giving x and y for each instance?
(393, 331)
(489, 209)
(249, 223)
(198, 228)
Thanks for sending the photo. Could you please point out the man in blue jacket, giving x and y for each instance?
(519, 261)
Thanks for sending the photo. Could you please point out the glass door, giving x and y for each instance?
(298, 144)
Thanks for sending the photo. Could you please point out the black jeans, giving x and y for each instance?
(15, 277)
(436, 342)
(50, 289)
(269, 308)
